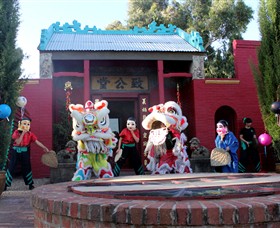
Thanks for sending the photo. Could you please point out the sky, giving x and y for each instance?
(40, 14)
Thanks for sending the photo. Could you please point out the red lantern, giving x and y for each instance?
(265, 139)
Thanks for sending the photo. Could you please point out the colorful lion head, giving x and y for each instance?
(169, 114)
(91, 124)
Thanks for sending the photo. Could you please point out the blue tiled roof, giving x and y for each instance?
(154, 39)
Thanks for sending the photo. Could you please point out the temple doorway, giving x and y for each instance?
(120, 110)
(228, 114)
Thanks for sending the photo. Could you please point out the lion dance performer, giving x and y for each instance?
(166, 148)
(95, 139)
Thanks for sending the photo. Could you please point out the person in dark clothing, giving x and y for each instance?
(128, 138)
(20, 152)
(249, 149)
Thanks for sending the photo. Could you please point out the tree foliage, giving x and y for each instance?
(62, 129)
(115, 25)
(217, 21)
(10, 69)
(267, 76)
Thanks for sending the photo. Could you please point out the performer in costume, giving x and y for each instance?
(95, 139)
(166, 148)
(20, 152)
(227, 141)
(249, 149)
(129, 136)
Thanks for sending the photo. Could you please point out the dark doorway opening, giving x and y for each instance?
(228, 114)
(120, 110)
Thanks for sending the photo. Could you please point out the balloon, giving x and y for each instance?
(5, 111)
(21, 101)
(275, 107)
(265, 139)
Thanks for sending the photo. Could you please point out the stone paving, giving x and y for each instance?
(15, 204)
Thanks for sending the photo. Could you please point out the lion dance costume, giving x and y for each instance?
(165, 147)
(95, 139)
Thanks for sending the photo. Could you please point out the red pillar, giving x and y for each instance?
(86, 81)
(160, 81)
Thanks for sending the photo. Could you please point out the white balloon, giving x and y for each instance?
(21, 101)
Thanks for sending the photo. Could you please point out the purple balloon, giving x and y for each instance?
(265, 139)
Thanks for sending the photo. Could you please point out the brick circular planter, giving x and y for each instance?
(207, 199)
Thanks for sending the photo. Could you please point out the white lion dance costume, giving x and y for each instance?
(165, 148)
(95, 139)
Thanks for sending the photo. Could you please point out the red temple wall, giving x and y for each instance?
(242, 97)
(39, 105)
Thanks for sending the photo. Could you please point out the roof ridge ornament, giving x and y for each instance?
(154, 29)
(193, 38)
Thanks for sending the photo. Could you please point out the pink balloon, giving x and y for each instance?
(265, 139)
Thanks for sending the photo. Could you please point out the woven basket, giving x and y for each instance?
(219, 157)
(50, 159)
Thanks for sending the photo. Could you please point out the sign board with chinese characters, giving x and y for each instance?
(119, 83)
(143, 107)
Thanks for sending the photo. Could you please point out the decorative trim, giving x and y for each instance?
(193, 38)
(32, 82)
(46, 65)
(184, 75)
(67, 74)
(222, 81)
(197, 67)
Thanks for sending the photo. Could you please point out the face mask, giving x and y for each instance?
(24, 125)
(131, 125)
(221, 130)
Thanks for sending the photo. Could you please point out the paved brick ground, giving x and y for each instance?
(15, 204)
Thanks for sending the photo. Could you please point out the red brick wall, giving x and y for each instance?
(56, 205)
(39, 105)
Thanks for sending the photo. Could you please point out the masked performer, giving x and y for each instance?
(95, 139)
(129, 136)
(227, 141)
(166, 148)
(20, 152)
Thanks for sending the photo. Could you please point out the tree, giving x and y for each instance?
(115, 25)
(267, 74)
(10, 70)
(143, 12)
(62, 129)
(219, 21)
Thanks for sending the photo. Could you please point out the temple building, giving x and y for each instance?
(134, 70)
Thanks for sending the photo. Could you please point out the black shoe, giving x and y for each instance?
(5, 188)
(31, 186)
